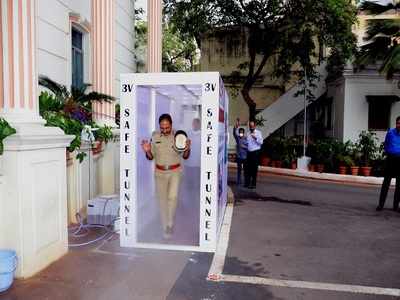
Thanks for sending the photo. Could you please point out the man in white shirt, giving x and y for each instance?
(191, 170)
(254, 142)
(195, 136)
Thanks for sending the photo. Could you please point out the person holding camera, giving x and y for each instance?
(241, 151)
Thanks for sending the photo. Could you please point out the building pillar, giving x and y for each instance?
(154, 40)
(18, 79)
(33, 204)
(103, 43)
(103, 59)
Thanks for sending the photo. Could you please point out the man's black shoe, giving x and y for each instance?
(379, 208)
(252, 187)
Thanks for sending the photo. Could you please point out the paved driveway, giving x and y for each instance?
(287, 230)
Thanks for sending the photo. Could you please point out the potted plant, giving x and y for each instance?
(280, 147)
(311, 152)
(368, 145)
(355, 156)
(322, 154)
(341, 156)
(378, 163)
(102, 134)
(69, 110)
(291, 152)
(274, 145)
(5, 131)
(266, 150)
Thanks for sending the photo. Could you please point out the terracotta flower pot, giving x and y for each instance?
(293, 165)
(320, 168)
(97, 147)
(311, 168)
(354, 170)
(342, 170)
(265, 160)
(68, 157)
(366, 171)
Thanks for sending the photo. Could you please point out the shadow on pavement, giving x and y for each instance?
(192, 284)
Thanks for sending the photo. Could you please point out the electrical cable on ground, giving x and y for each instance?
(77, 230)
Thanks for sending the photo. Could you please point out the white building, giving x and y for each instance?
(343, 108)
(358, 101)
(364, 100)
(70, 41)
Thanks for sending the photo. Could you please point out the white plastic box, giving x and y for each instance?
(103, 210)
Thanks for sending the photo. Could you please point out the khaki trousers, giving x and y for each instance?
(167, 184)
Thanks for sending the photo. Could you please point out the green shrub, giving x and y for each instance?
(368, 146)
(5, 131)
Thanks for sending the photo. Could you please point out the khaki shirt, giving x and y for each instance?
(163, 150)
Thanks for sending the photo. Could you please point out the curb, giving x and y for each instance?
(231, 196)
(322, 176)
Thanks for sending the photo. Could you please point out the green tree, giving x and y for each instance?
(383, 39)
(291, 31)
(179, 54)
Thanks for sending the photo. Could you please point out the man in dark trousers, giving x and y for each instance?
(392, 166)
(241, 151)
(254, 142)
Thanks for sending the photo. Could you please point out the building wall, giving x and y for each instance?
(54, 21)
(124, 40)
(336, 91)
(223, 51)
(358, 86)
(54, 38)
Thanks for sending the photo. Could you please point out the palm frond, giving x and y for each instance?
(375, 8)
(378, 49)
(387, 27)
(95, 96)
(392, 62)
(59, 90)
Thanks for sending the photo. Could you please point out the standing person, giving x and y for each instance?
(254, 142)
(392, 166)
(241, 151)
(192, 164)
(168, 170)
(192, 168)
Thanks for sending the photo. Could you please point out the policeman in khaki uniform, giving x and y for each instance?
(168, 170)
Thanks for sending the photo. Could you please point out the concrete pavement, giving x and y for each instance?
(287, 229)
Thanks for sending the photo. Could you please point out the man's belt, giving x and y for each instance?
(167, 168)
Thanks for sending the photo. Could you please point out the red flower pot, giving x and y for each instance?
(366, 171)
(320, 168)
(354, 170)
(265, 161)
(342, 170)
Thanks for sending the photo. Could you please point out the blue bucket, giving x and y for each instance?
(8, 264)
